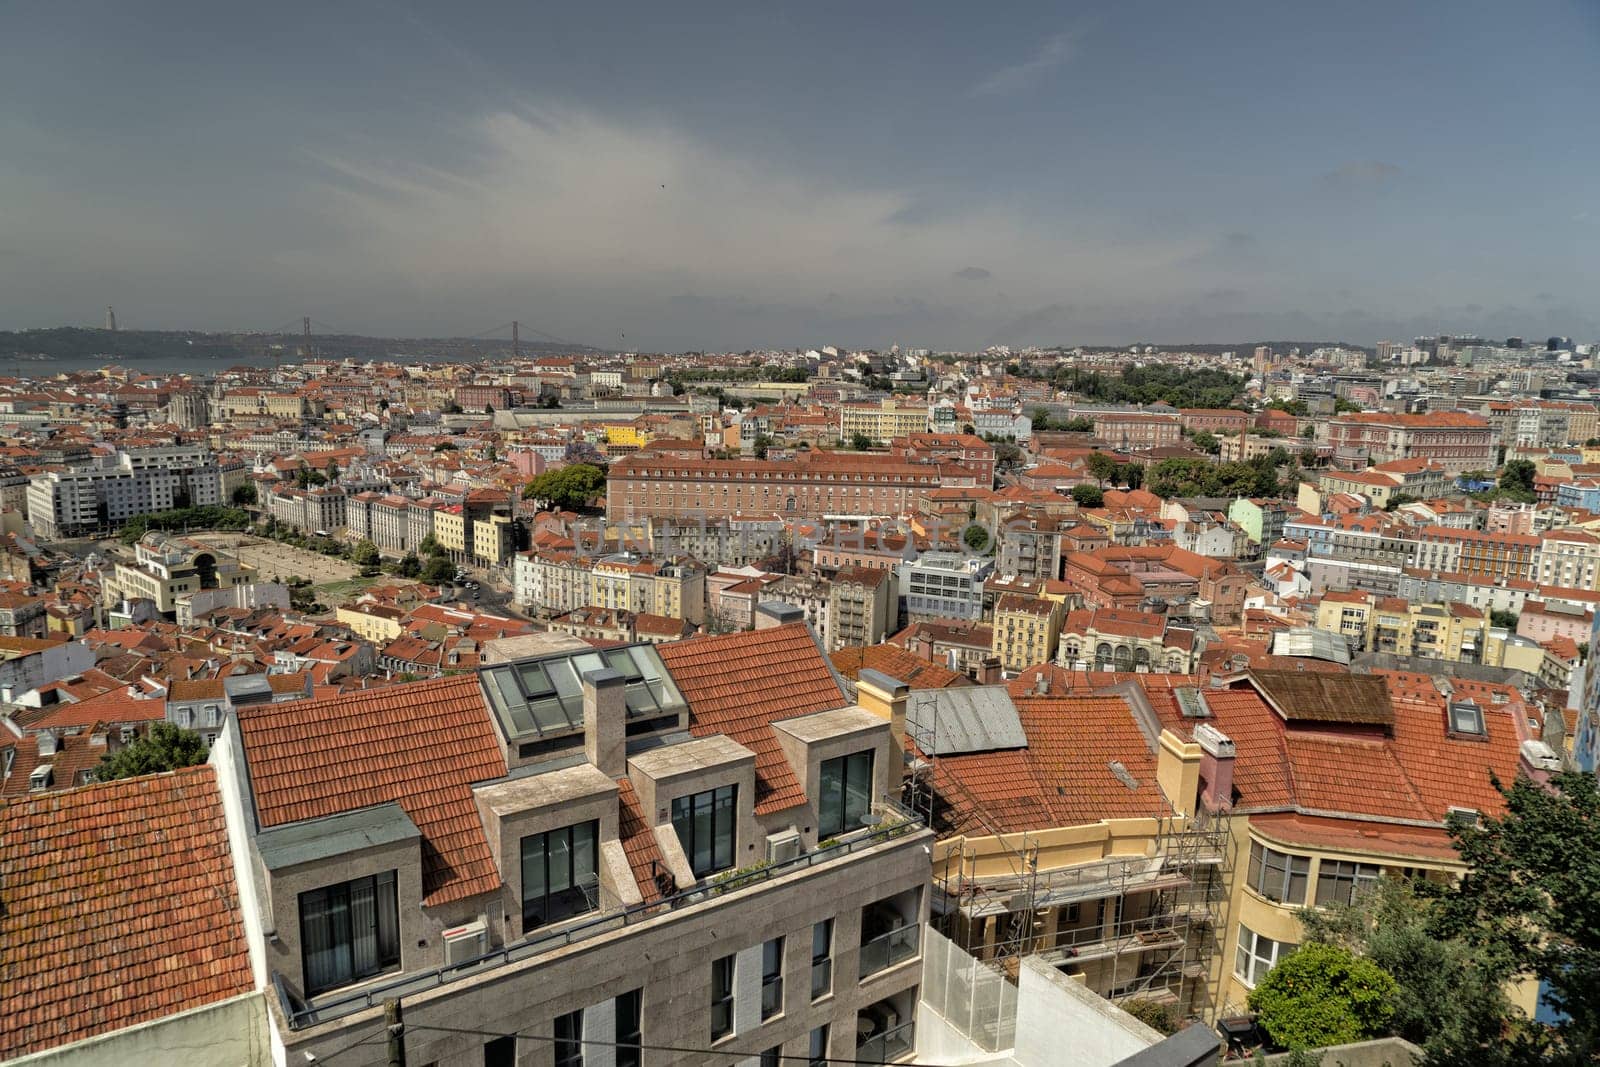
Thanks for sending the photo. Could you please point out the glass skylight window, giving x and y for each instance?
(543, 697)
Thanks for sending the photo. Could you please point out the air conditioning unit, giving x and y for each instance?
(783, 847)
(463, 943)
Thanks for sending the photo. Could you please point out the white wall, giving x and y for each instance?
(229, 1033)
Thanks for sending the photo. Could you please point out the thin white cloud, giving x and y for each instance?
(1052, 54)
(568, 197)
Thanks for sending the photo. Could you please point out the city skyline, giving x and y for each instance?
(731, 179)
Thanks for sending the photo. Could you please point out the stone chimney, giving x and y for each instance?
(1216, 767)
(886, 698)
(605, 719)
(1178, 771)
(989, 671)
(47, 744)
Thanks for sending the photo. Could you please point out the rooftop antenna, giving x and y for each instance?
(111, 318)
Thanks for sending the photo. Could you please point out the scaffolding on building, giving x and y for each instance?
(1159, 922)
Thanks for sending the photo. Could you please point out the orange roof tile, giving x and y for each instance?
(118, 907)
(738, 684)
(421, 745)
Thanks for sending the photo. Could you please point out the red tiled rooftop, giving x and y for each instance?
(738, 684)
(117, 906)
(421, 745)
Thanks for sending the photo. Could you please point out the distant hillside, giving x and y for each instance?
(70, 344)
(1242, 347)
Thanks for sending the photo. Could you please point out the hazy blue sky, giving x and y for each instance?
(863, 173)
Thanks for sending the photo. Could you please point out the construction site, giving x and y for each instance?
(1134, 908)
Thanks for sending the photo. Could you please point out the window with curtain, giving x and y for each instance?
(628, 1053)
(1278, 875)
(771, 978)
(721, 997)
(817, 1046)
(558, 874)
(569, 1039)
(822, 959)
(707, 826)
(1339, 882)
(349, 931)
(1257, 955)
(845, 793)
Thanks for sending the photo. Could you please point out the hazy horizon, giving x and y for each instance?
(728, 178)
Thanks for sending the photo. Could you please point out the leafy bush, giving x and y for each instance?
(1323, 995)
(1157, 1016)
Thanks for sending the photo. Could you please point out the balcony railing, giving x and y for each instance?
(888, 1046)
(894, 822)
(886, 950)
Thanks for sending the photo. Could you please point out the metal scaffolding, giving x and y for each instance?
(1150, 927)
(1159, 920)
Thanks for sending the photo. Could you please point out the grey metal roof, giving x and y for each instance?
(1311, 643)
(946, 722)
(316, 839)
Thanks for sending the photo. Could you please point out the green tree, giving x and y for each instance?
(364, 554)
(1206, 442)
(410, 566)
(1506, 619)
(438, 569)
(167, 748)
(1102, 467)
(860, 442)
(1530, 902)
(762, 446)
(243, 495)
(1446, 999)
(1088, 496)
(1322, 995)
(976, 537)
(1007, 454)
(572, 486)
(1081, 424)
(430, 546)
(1516, 481)
(1130, 475)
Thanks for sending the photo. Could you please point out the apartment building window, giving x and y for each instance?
(628, 1053)
(569, 1039)
(846, 793)
(721, 997)
(822, 959)
(1339, 882)
(1257, 955)
(349, 931)
(771, 978)
(706, 824)
(772, 1057)
(558, 874)
(817, 1046)
(1278, 875)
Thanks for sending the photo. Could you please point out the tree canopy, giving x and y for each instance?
(1321, 995)
(1088, 496)
(572, 486)
(167, 748)
(1530, 903)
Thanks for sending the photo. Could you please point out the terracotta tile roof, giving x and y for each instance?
(1064, 777)
(898, 664)
(118, 907)
(639, 841)
(421, 745)
(738, 684)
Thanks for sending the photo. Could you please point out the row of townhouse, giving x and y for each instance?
(1373, 551)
